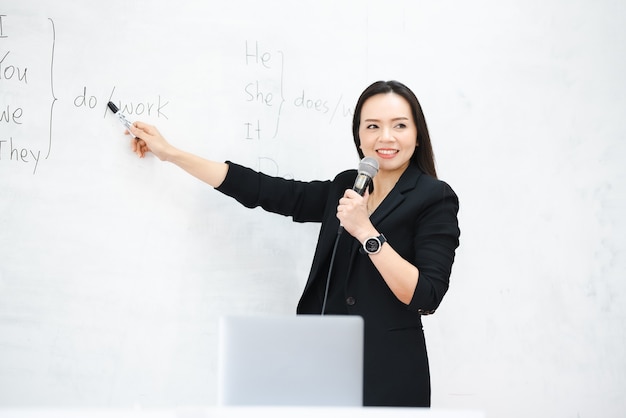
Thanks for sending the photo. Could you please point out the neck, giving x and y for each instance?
(382, 187)
(385, 181)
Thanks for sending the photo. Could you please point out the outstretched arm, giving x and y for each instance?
(149, 139)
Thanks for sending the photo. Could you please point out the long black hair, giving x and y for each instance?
(423, 155)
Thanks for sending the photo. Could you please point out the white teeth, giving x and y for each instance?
(387, 151)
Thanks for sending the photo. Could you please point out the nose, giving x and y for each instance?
(386, 134)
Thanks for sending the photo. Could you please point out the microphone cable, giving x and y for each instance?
(330, 269)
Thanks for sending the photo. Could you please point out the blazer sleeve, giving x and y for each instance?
(303, 201)
(435, 241)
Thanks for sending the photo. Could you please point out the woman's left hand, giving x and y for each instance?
(352, 213)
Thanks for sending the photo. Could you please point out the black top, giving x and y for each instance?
(337, 303)
(419, 219)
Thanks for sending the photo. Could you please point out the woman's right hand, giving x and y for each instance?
(149, 139)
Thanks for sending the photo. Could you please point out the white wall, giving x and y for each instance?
(113, 270)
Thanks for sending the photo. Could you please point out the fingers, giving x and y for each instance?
(143, 126)
(139, 147)
(352, 212)
(140, 131)
(147, 139)
(350, 195)
(144, 130)
(142, 148)
(350, 202)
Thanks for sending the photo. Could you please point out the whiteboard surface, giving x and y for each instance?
(114, 270)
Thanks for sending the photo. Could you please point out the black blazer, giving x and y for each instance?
(419, 220)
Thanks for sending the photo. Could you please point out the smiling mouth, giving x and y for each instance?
(387, 151)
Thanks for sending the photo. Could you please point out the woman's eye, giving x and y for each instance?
(401, 126)
(372, 126)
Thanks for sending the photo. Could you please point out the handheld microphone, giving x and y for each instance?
(368, 167)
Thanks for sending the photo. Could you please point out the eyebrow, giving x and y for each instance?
(393, 120)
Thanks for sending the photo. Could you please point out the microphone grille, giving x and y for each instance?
(368, 166)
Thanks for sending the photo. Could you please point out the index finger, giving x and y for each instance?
(145, 127)
(351, 193)
(139, 129)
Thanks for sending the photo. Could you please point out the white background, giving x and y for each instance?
(114, 270)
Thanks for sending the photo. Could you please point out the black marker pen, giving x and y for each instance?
(121, 117)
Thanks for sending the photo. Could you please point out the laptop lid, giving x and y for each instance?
(291, 360)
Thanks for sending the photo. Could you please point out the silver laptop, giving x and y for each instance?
(291, 360)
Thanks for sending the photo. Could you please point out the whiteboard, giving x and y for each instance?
(114, 270)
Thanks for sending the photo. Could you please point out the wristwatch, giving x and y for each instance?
(372, 245)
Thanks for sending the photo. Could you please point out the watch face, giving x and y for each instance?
(372, 245)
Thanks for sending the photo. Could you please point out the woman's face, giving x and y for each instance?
(387, 131)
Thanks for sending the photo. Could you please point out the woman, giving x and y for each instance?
(409, 220)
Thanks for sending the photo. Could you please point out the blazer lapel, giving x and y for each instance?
(407, 182)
